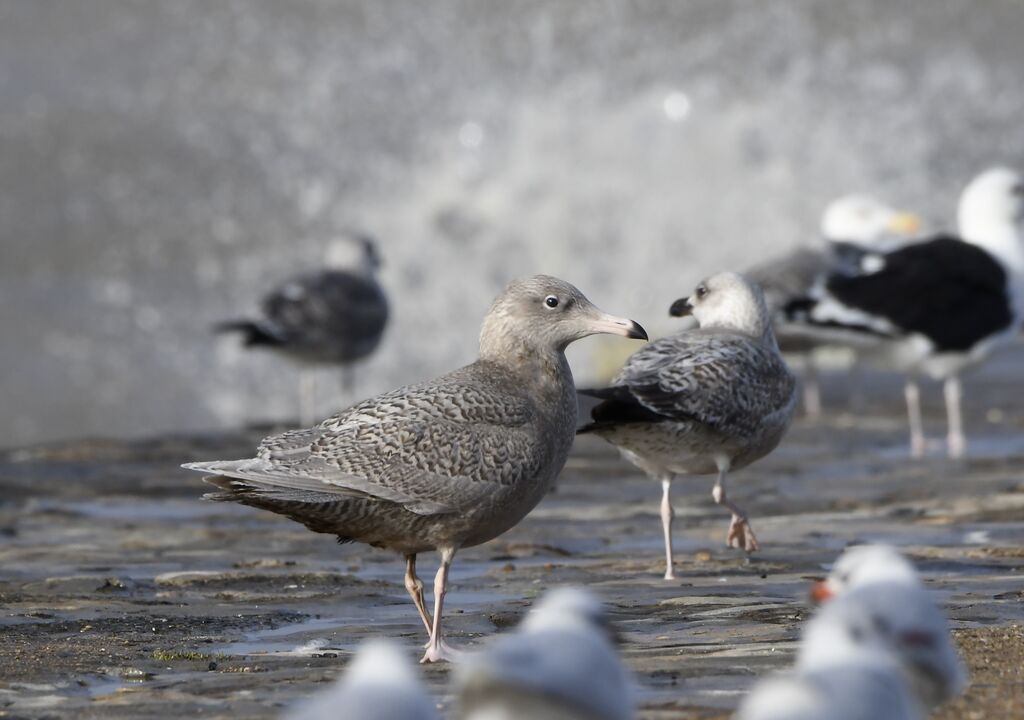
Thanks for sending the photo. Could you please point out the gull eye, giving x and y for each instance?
(551, 301)
(701, 291)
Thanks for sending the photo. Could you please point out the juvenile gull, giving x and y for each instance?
(851, 226)
(934, 308)
(704, 401)
(445, 464)
(559, 665)
(378, 684)
(332, 317)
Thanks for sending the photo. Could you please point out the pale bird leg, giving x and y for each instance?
(414, 586)
(437, 649)
(918, 443)
(956, 443)
(741, 535)
(812, 389)
(666, 524)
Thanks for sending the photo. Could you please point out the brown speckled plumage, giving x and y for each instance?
(444, 464)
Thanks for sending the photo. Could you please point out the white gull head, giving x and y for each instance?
(727, 301)
(862, 565)
(990, 215)
(865, 221)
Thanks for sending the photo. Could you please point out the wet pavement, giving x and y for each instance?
(124, 595)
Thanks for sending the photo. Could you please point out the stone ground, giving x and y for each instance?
(123, 595)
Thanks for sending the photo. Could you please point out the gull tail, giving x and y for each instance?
(253, 332)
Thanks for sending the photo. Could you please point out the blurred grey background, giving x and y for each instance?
(162, 164)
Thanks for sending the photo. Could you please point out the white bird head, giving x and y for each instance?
(991, 212)
(867, 222)
(728, 301)
(864, 564)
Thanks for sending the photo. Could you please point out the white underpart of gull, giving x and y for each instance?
(444, 464)
(378, 684)
(934, 308)
(861, 565)
(703, 401)
(560, 664)
(904, 620)
(335, 316)
(846, 673)
(851, 226)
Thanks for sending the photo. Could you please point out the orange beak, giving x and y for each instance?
(821, 592)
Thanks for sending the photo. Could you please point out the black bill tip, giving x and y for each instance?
(636, 331)
(681, 308)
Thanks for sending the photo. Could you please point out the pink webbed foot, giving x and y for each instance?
(741, 535)
(440, 652)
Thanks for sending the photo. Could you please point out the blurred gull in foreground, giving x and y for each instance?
(444, 464)
(703, 401)
(877, 585)
(846, 673)
(851, 226)
(934, 308)
(332, 317)
(559, 665)
(378, 684)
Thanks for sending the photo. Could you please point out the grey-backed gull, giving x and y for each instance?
(335, 316)
(704, 401)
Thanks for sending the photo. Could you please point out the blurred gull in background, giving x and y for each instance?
(938, 307)
(332, 317)
(444, 464)
(559, 665)
(702, 401)
(378, 684)
(851, 226)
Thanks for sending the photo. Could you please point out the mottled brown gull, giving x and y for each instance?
(445, 464)
(335, 316)
(704, 401)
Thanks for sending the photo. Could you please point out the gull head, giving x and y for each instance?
(992, 207)
(865, 221)
(726, 301)
(545, 314)
(862, 565)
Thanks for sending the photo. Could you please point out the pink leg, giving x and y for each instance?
(437, 649)
(741, 535)
(666, 525)
(414, 586)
